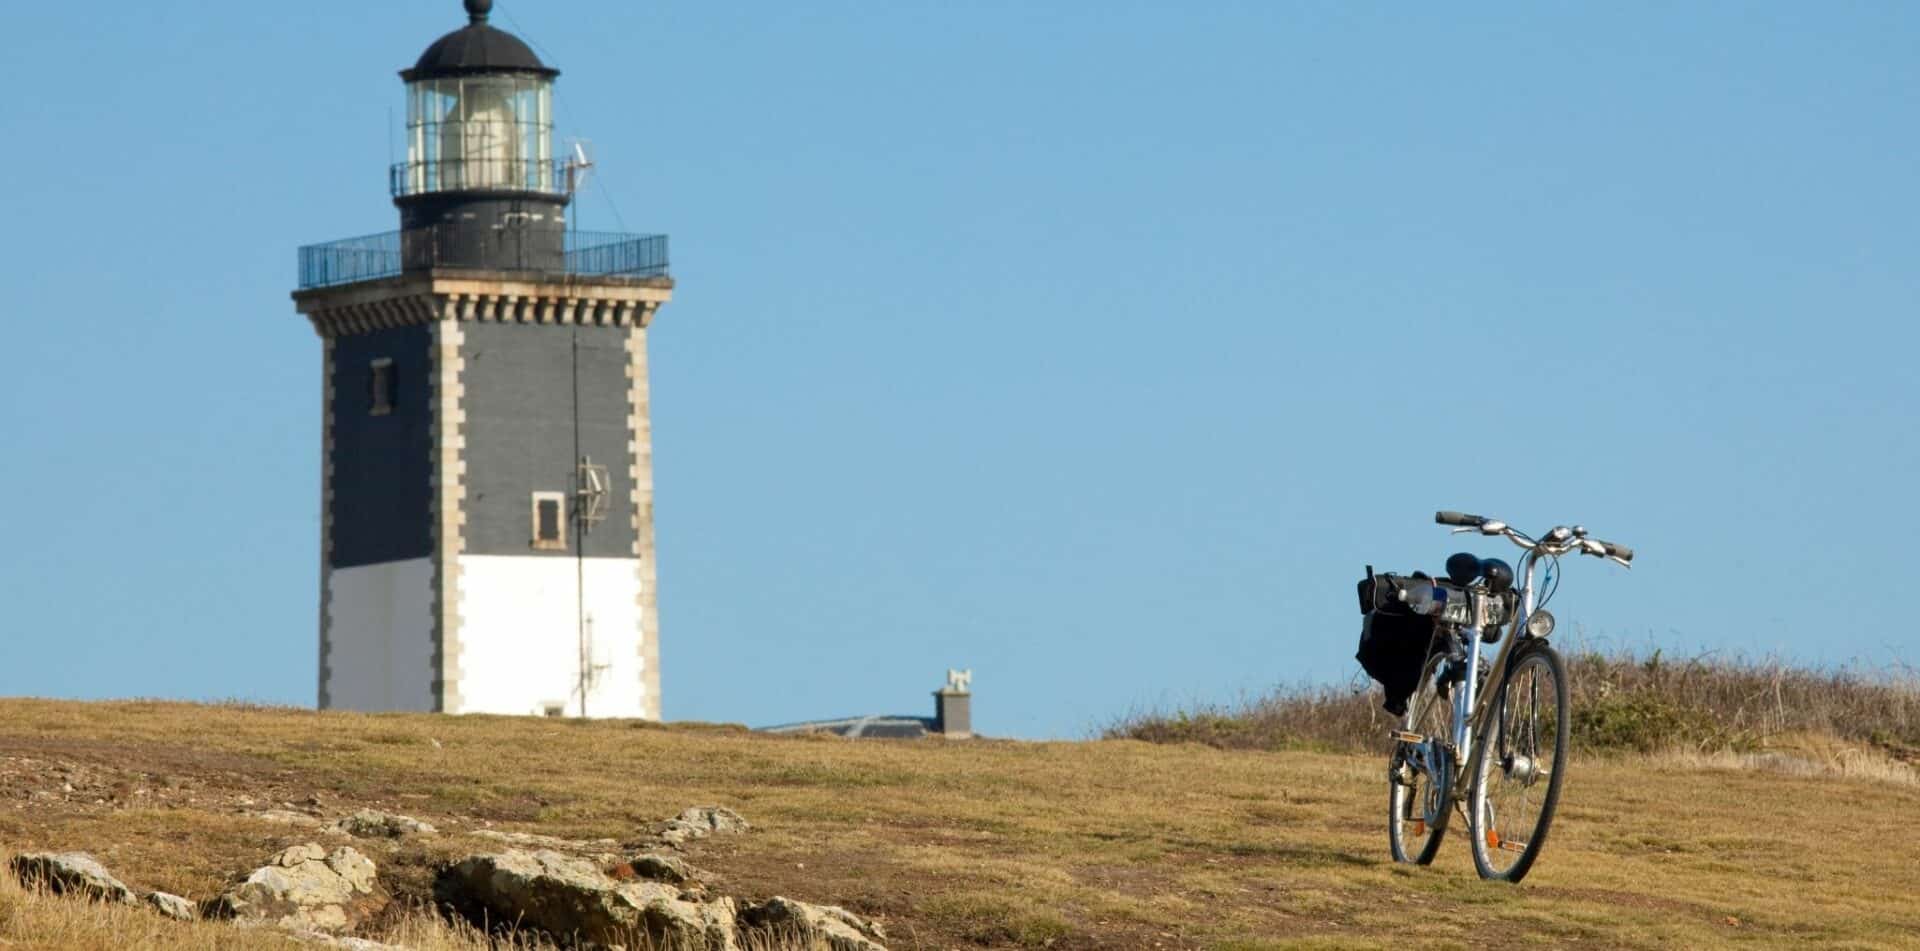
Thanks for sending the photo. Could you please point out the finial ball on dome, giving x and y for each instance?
(477, 10)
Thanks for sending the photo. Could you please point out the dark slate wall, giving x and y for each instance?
(455, 229)
(519, 381)
(382, 465)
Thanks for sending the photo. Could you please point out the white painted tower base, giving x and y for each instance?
(520, 636)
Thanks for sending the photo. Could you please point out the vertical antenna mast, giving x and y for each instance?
(580, 165)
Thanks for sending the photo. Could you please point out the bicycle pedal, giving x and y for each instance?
(1405, 737)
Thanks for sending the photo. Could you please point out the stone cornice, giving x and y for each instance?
(501, 297)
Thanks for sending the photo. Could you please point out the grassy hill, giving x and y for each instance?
(1114, 843)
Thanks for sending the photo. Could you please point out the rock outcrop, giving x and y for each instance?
(660, 868)
(700, 822)
(825, 927)
(584, 901)
(173, 906)
(306, 888)
(371, 824)
(530, 841)
(570, 900)
(71, 873)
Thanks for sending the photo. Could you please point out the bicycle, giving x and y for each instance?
(1443, 740)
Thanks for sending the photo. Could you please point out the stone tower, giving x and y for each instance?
(486, 540)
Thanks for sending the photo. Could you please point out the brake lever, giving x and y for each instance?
(1462, 531)
(1622, 562)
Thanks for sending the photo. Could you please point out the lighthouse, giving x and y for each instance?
(486, 510)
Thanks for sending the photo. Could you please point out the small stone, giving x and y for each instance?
(663, 868)
(285, 817)
(715, 819)
(299, 855)
(370, 824)
(699, 822)
(173, 906)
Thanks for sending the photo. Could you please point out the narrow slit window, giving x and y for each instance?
(380, 387)
(549, 521)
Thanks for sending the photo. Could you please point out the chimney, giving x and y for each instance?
(953, 706)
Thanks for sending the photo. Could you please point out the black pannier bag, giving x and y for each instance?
(1394, 641)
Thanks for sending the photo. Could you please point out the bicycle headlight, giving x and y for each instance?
(1539, 624)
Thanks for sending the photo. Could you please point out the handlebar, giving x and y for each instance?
(1560, 541)
(1621, 552)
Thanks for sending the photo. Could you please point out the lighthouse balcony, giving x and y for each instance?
(584, 253)
(493, 173)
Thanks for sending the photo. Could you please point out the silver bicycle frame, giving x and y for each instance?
(1471, 704)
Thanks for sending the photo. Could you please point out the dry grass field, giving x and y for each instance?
(988, 844)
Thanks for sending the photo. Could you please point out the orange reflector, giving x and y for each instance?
(1419, 827)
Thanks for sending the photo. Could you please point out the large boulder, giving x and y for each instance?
(72, 873)
(822, 927)
(573, 902)
(306, 888)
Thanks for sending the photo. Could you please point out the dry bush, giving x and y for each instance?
(1621, 701)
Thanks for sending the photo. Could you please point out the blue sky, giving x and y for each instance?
(1093, 346)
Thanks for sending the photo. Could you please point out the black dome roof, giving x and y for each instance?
(477, 48)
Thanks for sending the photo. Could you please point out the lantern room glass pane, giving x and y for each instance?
(480, 132)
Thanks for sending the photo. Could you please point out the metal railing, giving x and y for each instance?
(547, 176)
(351, 260)
(601, 252)
(370, 258)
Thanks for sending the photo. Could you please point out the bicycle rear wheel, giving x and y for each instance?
(1420, 775)
(1519, 765)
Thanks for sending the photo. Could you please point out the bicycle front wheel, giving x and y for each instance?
(1519, 765)
(1420, 775)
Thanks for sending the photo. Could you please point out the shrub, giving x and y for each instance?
(1621, 700)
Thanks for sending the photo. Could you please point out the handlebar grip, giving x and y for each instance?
(1456, 518)
(1621, 552)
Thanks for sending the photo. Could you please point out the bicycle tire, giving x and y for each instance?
(1515, 731)
(1415, 838)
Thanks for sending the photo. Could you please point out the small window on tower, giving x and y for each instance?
(380, 386)
(549, 521)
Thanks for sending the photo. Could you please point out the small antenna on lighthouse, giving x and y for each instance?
(579, 164)
(590, 493)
